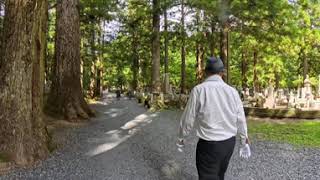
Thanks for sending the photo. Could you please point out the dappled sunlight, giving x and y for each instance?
(113, 132)
(115, 137)
(114, 112)
(138, 120)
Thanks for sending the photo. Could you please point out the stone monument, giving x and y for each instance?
(270, 100)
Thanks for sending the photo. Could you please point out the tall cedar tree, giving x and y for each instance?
(156, 84)
(23, 137)
(66, 97)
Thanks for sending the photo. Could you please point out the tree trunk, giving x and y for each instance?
(156, 84)
(224, 35)
(93, 60)
(305, 66)
(23, 137)
(98, 85)
(66, 96)
(183, 52)
(244, 69)
(211, 40)
(255, 75)
(200, 62)
(135, 59)
(277, 80)
(166, 54)
(224, 49)
(97, 91)
(199, 52)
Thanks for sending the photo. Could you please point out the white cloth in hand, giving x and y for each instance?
(245, 151)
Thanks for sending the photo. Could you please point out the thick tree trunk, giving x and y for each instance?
(244, 69)
(66, 96)
(23, 137)
(183, 52)
(156, 83)
(255, 73)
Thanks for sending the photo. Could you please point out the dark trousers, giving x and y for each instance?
(212, 158)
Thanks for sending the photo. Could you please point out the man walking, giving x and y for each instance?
(216, 111)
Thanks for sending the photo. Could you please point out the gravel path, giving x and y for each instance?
(127, 143)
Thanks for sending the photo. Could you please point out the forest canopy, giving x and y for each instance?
(262, 42)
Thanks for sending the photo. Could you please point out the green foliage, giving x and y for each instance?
(282, 33)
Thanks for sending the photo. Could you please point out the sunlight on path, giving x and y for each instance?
(115, 137)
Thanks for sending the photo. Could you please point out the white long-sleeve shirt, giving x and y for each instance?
(216, 111)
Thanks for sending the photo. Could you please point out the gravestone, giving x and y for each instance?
(265, 92)
(291, 102)
(308, 88)
(246, 94)
(303, 93)
(270, 100)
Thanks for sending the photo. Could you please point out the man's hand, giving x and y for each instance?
(245, 151)
(180, 144)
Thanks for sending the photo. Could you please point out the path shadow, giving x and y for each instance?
(167, 167)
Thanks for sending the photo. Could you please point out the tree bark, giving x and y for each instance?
(93, 73)
(166, 62)
(23, 137)
(98, 85)
(199, 52)
(156, 84)
(166, 54)
(224, 35)
(66, 96)
(224, 49)
(212, 40)
(1, 21)
(183, 52)
(200, 62)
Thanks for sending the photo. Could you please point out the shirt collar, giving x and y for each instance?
(214, 78)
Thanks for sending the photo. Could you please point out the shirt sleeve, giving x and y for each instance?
(188, 116)
(241, 120)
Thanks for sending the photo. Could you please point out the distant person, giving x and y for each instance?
(130, 94)
(216, 111)
(118, 94)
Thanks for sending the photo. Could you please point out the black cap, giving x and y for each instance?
(214, 65)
